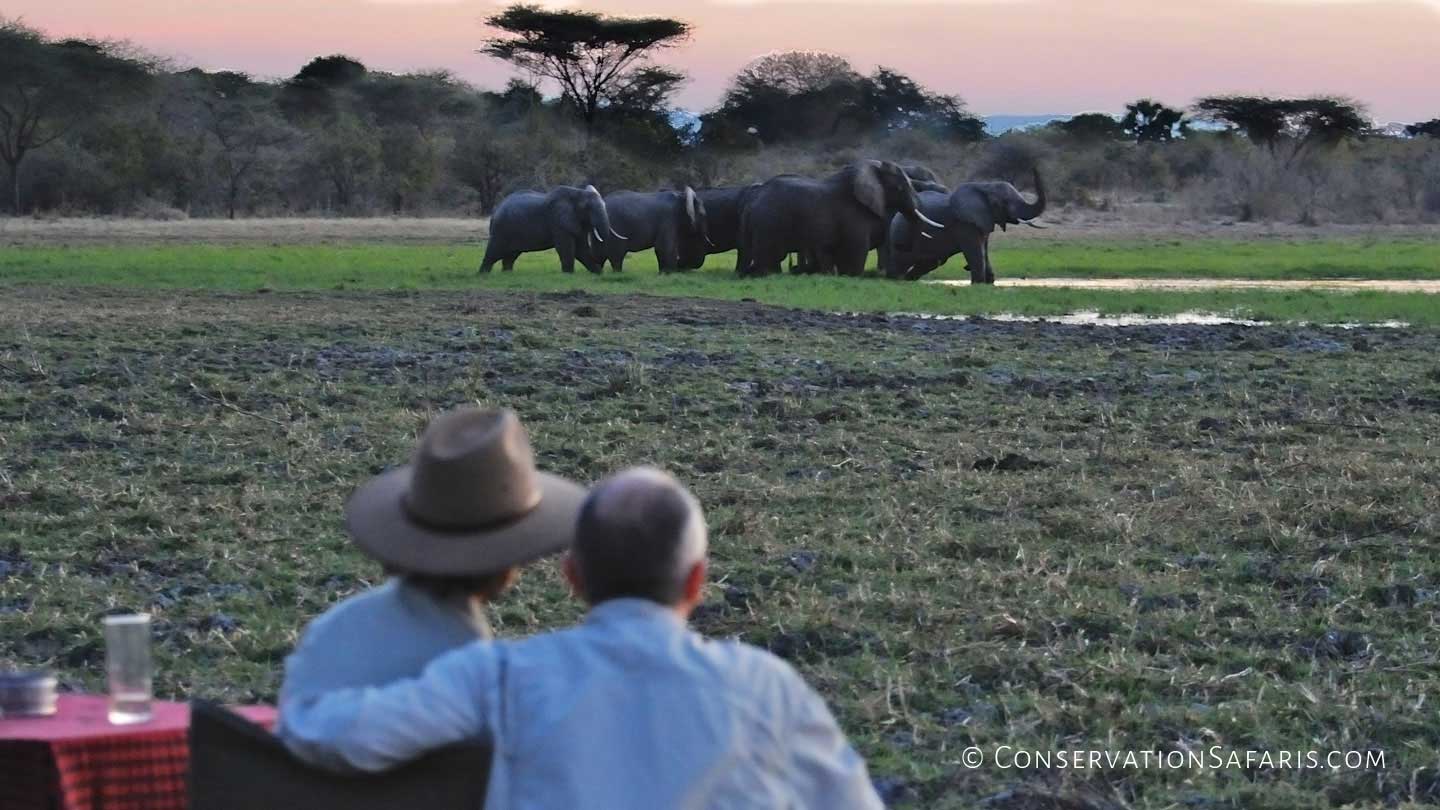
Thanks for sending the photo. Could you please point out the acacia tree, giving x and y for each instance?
(1301, 124)
(47, 89)
(591, 56)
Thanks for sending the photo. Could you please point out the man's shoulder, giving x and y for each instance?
(755, 669)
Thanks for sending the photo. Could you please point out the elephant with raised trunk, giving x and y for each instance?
(571, 221)
(833, 221)
(970, 214)
(674, 223)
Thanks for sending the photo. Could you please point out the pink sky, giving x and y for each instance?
(1001, 56)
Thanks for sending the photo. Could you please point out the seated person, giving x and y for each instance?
(453, 528)
(628, 710)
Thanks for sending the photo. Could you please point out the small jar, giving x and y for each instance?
(27, 694)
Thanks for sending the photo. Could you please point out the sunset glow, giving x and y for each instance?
(1001, 56)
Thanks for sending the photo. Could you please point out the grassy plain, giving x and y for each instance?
(251, 266)
(963, 533)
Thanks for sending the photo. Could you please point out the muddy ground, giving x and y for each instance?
(963, 533)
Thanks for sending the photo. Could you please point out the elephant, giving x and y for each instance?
(921, 179)
(722, 218)
(570, 220)
(674, 223)
(833, 221)
(970, 214)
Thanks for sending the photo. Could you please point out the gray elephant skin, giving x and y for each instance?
(674, 223)
(571, 221)
(921, 179)
(722, 219)
(970, 214)
(835, 220)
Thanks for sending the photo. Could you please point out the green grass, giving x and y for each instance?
(321, 267)
(1206, 258)
(1212, 537)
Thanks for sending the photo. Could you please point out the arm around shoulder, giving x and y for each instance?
(826, 771)
(375, 728)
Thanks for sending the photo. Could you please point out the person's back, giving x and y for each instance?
(472, 474)
(383, 634)
(628, 710)
(633, 710)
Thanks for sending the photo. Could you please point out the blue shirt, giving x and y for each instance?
(628, 710)
(389, 632)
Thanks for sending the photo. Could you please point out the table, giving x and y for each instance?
(76, 760)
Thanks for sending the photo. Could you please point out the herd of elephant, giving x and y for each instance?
(829, 225)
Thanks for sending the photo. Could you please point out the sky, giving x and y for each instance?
(1001, 56)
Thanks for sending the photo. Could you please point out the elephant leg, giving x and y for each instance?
(989, 268)
(508, 262)
(491, 256)
(566, 249)
(884, 258)
(617, 261)
(975, 260)
(850, 261)
(667, 257)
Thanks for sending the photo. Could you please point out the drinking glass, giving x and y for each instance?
(127, 667)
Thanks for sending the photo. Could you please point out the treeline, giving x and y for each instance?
(92, 127)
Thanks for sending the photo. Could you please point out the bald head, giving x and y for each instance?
(640, 535)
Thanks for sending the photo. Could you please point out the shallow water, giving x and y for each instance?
(1429, 286)
(1092, 318)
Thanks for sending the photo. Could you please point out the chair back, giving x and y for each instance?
(237, 765)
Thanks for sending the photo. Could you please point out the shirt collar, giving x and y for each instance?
(629, 609)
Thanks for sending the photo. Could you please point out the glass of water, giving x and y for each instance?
(127, 667)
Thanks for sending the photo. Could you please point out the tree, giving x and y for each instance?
(1300, 124)
(806, 95)
(1431, 128)
(1149, 121)
(591, 56)
(236, 113)
(1092, 128)
(310, 93)
(795, 73)
(47, 89)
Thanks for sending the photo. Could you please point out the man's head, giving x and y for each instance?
(642, 535)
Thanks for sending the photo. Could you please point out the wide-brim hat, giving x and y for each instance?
(470, 502)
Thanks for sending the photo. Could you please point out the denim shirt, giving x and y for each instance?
(628, 710)
(389, 632)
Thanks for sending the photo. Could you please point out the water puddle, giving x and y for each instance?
(1092, 318)
(1428, 286)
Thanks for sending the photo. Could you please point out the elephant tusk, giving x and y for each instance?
(598, 237)
(618, 236)
(928, 221)
(926, 235)
(710, 242)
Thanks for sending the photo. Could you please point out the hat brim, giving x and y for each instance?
(377, 521)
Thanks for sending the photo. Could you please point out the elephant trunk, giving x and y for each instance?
(1027, 211)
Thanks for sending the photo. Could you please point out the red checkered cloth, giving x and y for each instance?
(77, 760)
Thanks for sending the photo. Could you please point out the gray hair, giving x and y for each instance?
(640, 533)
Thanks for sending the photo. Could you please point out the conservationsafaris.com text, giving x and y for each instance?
(1007, 757)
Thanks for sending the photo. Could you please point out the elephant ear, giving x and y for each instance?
(870, 187)
(691, 214)
(565, 211)
(972, 207)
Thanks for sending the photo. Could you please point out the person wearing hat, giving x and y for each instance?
(452, 528)
(629, 710)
